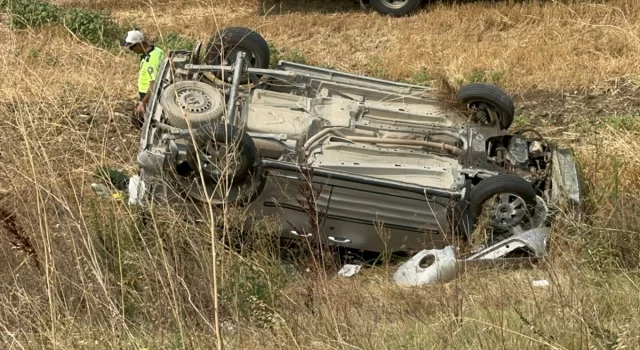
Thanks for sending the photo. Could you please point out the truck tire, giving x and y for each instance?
(395, 8)
(200, 102)
(509, 214)
(481, 95)
(218, 136)
(224, 45)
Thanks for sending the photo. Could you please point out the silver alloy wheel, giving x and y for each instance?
(396, 4)
(509, 209)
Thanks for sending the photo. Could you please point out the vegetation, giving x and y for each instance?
(293, 55)
(78, 271)
(94, 27)
(31, 13)
(175, 41)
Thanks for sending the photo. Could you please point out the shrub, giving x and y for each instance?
(94, 27)
(31, 13)
(174, 41)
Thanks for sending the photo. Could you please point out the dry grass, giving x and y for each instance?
(77, 272)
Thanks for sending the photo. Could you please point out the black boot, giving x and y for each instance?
(137, 122)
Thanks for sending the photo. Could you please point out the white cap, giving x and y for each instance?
(133, 37)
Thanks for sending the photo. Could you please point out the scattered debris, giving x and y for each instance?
(137, 190)
(540, 283)
(442, 269)
(106, 193)
(446, 267)
(349, 270)
(101, 190)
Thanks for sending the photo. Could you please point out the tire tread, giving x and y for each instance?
(482, 192)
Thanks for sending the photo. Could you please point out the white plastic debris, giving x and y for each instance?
(101, 190)
(349, 270)
(540, 283)
(446, 267)
(443, 268)
(136, 190)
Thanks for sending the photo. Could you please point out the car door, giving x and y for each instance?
(296, 199)
(371, 217)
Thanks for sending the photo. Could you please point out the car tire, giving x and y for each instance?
(501, 185)
(402, 8)
(223, 46)
(221, 134)
(202, 103)
(477, 94)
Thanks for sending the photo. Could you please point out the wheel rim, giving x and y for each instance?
(194, 101)
(395, 4)
(508, 210)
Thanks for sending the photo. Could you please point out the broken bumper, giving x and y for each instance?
(446, 266)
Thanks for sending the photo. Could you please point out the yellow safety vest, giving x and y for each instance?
(149, 66)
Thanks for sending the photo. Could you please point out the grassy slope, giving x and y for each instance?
(572, 68)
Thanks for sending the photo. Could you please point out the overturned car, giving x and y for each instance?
(349, 160)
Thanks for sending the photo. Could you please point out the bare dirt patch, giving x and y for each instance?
(563, 110)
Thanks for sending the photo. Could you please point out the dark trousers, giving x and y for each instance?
(138, 120)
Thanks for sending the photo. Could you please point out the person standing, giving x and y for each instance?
(150, 58)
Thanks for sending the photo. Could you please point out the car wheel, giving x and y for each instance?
(223, 46)
(224, 150)
(198, 101)
(395, 8)
(510, 200)
(485, 98)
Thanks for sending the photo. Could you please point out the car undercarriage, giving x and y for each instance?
(349, 160)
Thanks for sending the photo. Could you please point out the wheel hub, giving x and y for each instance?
(395, 3)
(509, 209)
(232, 55)
(194, 101)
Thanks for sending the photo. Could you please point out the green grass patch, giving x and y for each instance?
(623, 122)
(421, 77)
(293, 55)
